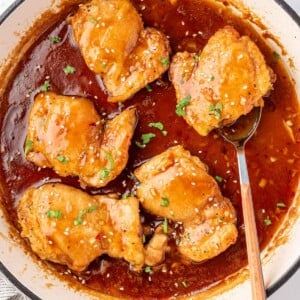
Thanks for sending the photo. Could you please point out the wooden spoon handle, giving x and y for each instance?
(253, 252)
(256, 276)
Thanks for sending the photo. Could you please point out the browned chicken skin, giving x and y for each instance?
(176, 185)
(68, 135)
(67, 226)
(115, 45)
(222, 83)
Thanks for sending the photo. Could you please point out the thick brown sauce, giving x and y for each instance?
(273, 156)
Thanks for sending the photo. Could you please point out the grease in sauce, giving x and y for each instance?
(272, 154)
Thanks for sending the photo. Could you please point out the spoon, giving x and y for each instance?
(239, 134)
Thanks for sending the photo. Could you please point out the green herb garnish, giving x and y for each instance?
(110, 159)
(28, 146)
(104, 173)
(92, 208)
(144, 239)
(69, 69)
(196, 57)
(180, 107)
(79, 219)
(165, 225)
(62, 158)
(184, 283)
(45, 86)
(280, 204)
(165, 61)
(125, 195)
(211, 78)
(148, 269)
(148, 88)
(157, 125)
(120, 105)
(54, 214)
(268, 221)
(164, 202)
(276, 55)
(140, 145)
(54, 39)
(216, 109)
(146, 137)
(219, 178)
(93, 20)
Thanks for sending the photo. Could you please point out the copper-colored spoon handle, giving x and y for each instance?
(253, 252)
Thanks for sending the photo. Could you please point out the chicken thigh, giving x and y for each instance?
(215, 87)
(67, 226)
(176, 185)
(115, 45)
(68, 135)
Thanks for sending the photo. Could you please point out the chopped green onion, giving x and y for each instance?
(276, 55)
(54, 39)
(146, 137)
(140, 145)
(125, 195)
(280, 204)
(92, 208)
(93, 20)
(165, 225)
(110, 159)
(211, 78)
(196, 57)
(144, 239)
(216, 109)
(79, 219)
(148, 269)
(157, 125)
(268, 221)
(180, 107)
(165, 202)
(28, 146)
(184, 283)
(54, 214)
(69, 69)
(219, 178)
(165, 61)
(104, 173)
(62, 158)
(148, 88)
(45, 86)
(164, 132)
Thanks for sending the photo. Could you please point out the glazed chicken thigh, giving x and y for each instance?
(115, 45)
(215, 87)
(67, 226)
(68, 135)
(176, 185)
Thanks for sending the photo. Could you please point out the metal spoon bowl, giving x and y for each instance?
(239, 134)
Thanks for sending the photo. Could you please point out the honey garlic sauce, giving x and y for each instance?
(272, 154)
